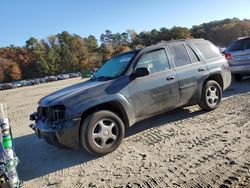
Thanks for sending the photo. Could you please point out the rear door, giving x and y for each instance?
(190, 71)
(159, 90)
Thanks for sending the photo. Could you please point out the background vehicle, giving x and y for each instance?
(50, 78)
(238, 56)
(131, 87)
(73, 75)
(86, 74)
(63, 76)
(35, 81)
(16, 84)
(7, 86)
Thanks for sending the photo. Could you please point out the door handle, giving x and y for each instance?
(201, 69)
(170, 78)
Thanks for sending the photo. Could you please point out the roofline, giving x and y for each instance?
(181, 40)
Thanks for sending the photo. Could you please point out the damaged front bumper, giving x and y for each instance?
(63, 134)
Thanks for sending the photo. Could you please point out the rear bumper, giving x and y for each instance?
(65, 134)
(240, 69)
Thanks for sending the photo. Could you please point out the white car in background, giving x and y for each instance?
(238, 56)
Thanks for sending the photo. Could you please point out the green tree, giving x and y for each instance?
(106, 51)
(31, 43)
(91, 43)
(107, 37)
(179, 33)
(38, 50)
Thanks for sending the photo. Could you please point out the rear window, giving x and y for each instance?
(208, 50)
(239, 45)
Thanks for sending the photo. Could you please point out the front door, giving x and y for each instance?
(159, 90)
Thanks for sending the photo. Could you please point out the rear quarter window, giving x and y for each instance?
(208, 50)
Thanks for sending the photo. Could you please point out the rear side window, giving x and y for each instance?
(193, 56)
(155, 61)
(239, 45)
(180, 54)
(208, 50)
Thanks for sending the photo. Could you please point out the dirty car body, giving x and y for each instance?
(153, 80)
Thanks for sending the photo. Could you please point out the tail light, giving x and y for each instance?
(228, 56)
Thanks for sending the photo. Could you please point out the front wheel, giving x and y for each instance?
(211, 95)
(102, 132)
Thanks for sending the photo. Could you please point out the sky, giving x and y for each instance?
(22, 19)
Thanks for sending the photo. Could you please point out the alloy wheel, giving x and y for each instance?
(105, 133)
(212, 96)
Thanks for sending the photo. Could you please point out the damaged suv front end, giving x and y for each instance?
(58, 116)
(53, 124)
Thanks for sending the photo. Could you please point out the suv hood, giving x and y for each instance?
(65, 94)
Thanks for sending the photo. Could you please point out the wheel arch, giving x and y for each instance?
(113, 106)
(216, 77)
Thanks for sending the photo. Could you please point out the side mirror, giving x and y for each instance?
(140, 72)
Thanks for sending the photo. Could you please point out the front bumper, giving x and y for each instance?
(240, 69)
(65, 134)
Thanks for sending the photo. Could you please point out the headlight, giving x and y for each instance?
(58, 112)
(51, 114)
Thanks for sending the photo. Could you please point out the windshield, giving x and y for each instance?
(114, 67)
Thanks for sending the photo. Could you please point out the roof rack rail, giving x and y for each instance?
(240, 38)
(190, 39)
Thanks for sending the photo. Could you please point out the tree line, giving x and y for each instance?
(65, 52)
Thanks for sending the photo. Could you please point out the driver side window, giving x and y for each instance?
(155, 61)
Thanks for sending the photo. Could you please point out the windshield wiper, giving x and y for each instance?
(103, 78)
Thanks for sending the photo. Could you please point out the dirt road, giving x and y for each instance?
(186, 147)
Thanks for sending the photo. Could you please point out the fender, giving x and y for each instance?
(81, 108)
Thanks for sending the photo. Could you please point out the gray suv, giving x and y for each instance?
(131, 87)
(238, 56)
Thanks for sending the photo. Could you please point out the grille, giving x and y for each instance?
(51, 114)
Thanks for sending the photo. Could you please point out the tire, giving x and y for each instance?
(102, 132)
(211, 96)
(238, 77)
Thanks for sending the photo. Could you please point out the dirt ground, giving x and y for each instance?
(186, 147)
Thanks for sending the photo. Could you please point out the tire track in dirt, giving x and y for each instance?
(154, 137)
(157, 136)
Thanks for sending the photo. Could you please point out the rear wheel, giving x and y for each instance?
(102, 132)
(211, 96)
(238, 77)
